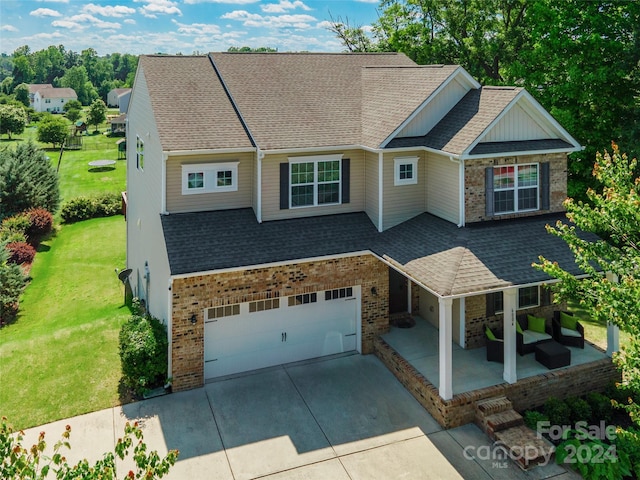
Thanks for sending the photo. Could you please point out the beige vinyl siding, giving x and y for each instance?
(242, 198)
(402, 202)
(271, 187)
(435, 110)
(443, 187)
(517, 124)
(145, 239)
(371, 204)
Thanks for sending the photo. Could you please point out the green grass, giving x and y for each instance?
(60, 358)
(594, 331)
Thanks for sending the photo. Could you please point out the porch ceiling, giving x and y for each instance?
(436, 253)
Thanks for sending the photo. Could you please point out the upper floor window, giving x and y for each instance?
(209, 178)
(315, 181)
(515, 188)
(139, 153)
(405, 170)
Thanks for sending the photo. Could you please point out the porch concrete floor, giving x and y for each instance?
(471, 370)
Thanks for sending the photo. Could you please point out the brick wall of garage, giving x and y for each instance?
(474, 184)
(191, 295)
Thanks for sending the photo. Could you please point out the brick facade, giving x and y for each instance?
(191, 295)
(474, 184)
(527, 393)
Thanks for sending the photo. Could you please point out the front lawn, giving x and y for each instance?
(60, 357)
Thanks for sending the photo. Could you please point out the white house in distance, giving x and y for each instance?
(53, 99)
(115, 95)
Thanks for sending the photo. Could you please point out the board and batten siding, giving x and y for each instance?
(443, 187)
(517, 124)
(402, 202)
(242, 198)
(145, 239)
(435, 110)
(371, 190)
(271, 187)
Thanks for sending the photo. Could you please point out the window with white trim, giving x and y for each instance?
(139, 153)
(515, 188)
(315, 181)
(209, 178)
(405, 171)
(528, 297)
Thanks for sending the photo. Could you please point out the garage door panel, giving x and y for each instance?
(253, 340)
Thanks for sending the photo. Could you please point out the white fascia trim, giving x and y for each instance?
(176, 153)
(270, 264)
(259, 157)
(461, 193)
(304, 150)
(420, 148)
(509, 287)
(520, 153)
(469, 80)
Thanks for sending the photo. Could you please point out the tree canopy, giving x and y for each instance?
(53, 129)
(12, 120)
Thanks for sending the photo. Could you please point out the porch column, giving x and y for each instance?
(409, 295)
(510, 304)
(613, 331)
(445, 307)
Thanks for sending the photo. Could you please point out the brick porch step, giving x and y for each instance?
(501, 421)
(493, 405)
(524, 446)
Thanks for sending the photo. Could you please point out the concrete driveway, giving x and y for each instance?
(340, 418)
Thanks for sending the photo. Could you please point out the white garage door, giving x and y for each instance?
(270, 332)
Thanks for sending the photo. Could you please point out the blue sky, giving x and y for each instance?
(173, 26)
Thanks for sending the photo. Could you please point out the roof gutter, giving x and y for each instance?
(208, 151)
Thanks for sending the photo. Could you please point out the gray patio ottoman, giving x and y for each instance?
(553, 355)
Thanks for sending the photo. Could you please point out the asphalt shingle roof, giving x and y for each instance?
(447, 259)
(190, 105)
(465, 122)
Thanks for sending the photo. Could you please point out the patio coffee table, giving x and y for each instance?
(553, 355)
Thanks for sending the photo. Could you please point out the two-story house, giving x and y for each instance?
(53, 99)
(282, 206)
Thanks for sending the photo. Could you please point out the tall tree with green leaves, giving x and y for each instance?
(53, 129)
(21, 92)
(97, 113)
(611, 290)
(77, 78)
(584, 67)
(12, 120)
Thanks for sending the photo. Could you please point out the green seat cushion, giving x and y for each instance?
(568, 321)
(536, 324)
(489, 334)
(518, 328)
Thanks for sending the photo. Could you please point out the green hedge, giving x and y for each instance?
(84, 208)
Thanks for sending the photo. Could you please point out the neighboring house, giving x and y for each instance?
(115, 95)
(118, 124)
(53, 100)
(283, 206)
(124, 101)
(33, 88)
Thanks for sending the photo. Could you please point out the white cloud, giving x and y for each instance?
(45, 12)
(8, 28)
(108, 10)
(83, 21)
(53, 1)
(283, 6)
(231, 2)
(272, 21)
(197, 28)
(130, 21)
(367, 1)
(155, 7)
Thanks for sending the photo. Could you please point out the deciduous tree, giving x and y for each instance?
(613, 213)
(12, 120)
(53, 129)
(97, 113)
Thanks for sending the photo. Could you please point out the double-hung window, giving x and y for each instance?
(315, 181)
(515, 188)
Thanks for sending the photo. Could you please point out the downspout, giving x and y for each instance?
(380, 190)
(461, 184)
(260, 156)
(163, 195)
(169, 329)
